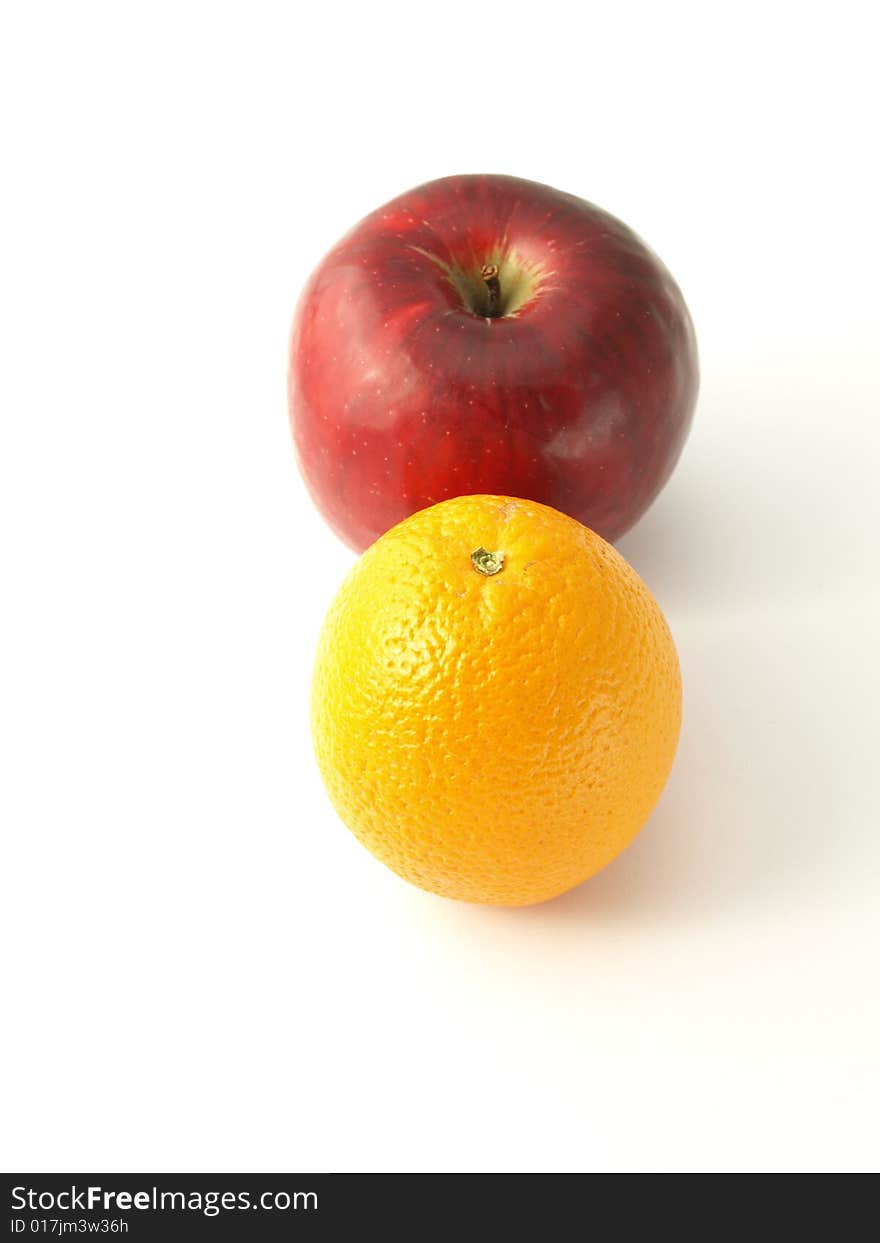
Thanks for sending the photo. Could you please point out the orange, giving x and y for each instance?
(496, 701)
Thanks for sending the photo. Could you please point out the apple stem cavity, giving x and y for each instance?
(489, 274)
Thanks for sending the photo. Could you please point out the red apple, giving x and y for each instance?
(489, 334)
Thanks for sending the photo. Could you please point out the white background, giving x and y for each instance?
(203, 970)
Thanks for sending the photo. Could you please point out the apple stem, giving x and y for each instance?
(489, 273)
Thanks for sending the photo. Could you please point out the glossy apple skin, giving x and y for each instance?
(400, 395)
